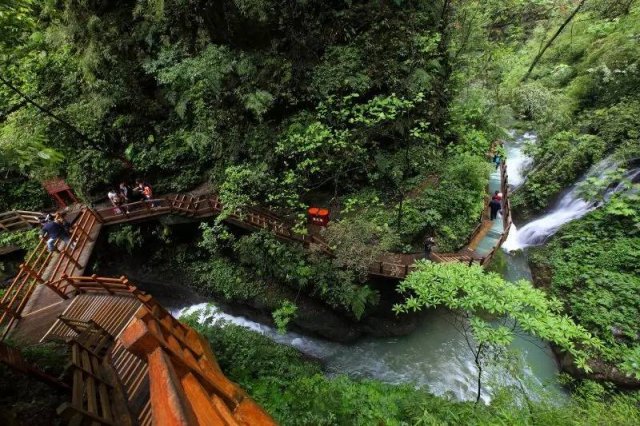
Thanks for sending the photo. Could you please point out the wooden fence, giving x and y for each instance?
(39, 269)
(16, 296)
(19, 219)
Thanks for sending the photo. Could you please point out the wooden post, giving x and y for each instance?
(72, 283)
(33, 274)
(95, 278)
(56, 290)
(70, 257)
(97, 215)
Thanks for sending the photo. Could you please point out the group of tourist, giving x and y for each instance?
(121, 196)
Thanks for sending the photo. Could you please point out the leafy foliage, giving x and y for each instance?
(126, 237)
(283, 315)
(592, 266)
(26, 240)
(469, 289)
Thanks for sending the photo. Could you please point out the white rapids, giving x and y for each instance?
(570, 207)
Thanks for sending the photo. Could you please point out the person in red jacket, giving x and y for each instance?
(145, 189)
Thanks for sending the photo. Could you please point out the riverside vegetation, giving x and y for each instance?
(384, 111)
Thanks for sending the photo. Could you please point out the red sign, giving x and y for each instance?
(318, 216)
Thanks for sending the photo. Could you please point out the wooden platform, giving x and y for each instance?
(32, 327)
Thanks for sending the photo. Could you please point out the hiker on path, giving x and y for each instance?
(146, 191)
(59, 219)
(126, 192)
(53, 231)
(496, 160)
(497, 196)
(494, 207)
(117, 200)
(429, 242)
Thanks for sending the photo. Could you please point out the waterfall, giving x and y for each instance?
(569, 207)
(517, 160)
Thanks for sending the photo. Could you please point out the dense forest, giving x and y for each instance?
(387, 113)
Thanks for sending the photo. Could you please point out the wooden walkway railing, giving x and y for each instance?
(40, 268)
(12, 357)
(206, 206)
(178, 373)
(19, 219)
(97, 397)
(186, 385)
(16, 296)
(506, 214)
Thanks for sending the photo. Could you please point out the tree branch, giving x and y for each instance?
(552, 39)
(48, 112)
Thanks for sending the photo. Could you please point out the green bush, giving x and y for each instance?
(126, 237)
(220, 277)
(592, 266)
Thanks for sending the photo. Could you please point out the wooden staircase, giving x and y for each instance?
(31, 290)
(111, 312)
(134, 363)
(97, 396)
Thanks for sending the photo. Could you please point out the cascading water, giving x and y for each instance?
(570, 207)
(518, 162)
(435, 356)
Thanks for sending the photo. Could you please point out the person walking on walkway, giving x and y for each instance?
(117, 200)
(429, 242)
(126, 192)
(146, 190)
(497, 159)
(494, 208)
(53, 231)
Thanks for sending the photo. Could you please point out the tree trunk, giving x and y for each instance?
(479, 366)
(552, 39)
(399, 223)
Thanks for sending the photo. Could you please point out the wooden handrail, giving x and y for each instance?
(182, 387)
(18, 219)
(12, 357)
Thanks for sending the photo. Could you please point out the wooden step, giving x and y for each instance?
(111, 312)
